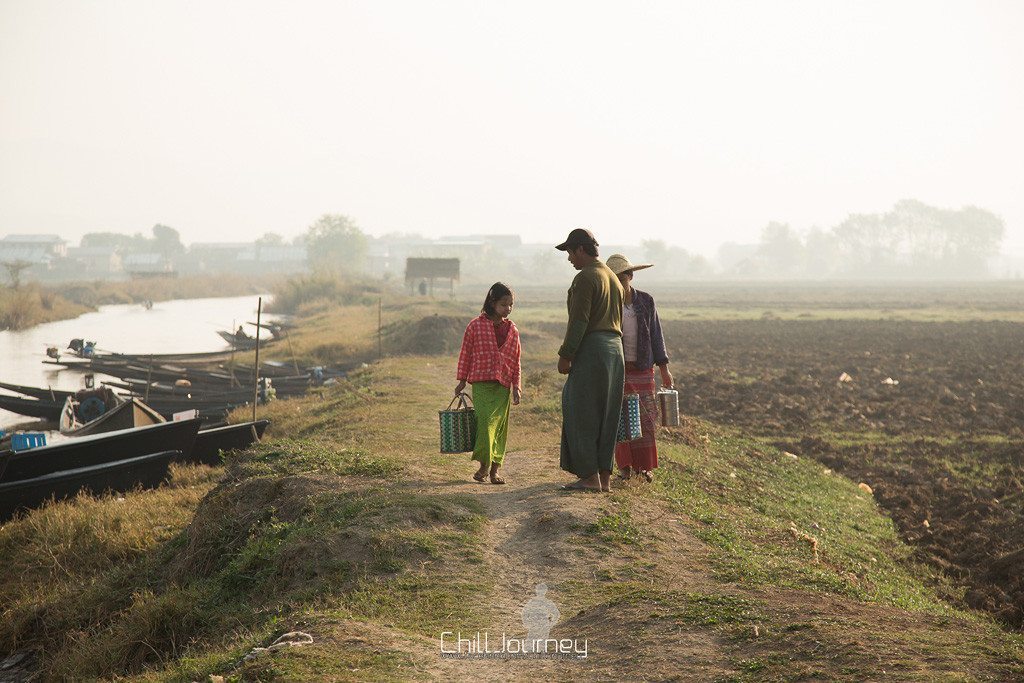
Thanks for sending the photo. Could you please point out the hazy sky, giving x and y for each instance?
(693, 122)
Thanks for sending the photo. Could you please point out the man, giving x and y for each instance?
(591, 355)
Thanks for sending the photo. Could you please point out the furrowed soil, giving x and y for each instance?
(931, 418)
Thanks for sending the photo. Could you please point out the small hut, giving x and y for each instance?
(420, 274)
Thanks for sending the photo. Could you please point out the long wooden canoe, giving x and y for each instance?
(101, 448)
(126, 415)
(32, 407)
(37, 392)
(211, 442)
(147, 471)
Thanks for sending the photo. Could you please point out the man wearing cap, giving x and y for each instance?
(591, 355)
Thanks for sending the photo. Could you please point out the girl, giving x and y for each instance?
(489, 360)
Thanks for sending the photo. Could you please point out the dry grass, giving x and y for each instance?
(31, 305)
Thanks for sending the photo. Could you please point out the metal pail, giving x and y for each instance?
(668, 404)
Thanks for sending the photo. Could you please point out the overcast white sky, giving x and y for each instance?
(693, 122)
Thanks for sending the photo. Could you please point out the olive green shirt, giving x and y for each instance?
(595, 305)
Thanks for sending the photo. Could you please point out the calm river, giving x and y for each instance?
(182, 326)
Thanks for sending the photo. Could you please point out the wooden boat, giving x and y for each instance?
(101, 448)
(37, 392)
(32, 407)
(87, 406)
(147, 471)
(211, 442)
(199, 357)
(241, 343)
(124, 415)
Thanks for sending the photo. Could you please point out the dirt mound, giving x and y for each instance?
(430, 336)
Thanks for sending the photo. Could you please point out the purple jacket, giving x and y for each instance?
(650, 342)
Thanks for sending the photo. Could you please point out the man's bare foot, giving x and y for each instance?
(591, 484)
(606, 481)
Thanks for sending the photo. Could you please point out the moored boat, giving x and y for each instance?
(32, 407)
(125, 415)
(87, 406)
(37, 392)
(100, 448)
(211, 442)
(146, 471)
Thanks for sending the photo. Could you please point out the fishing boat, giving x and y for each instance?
(32, 407)
(86, 406)
(102, 448)
(211, 442)
(241, 342)
(147, 471)
(126, 414)
(37, 392)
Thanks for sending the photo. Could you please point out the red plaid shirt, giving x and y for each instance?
(482, 360)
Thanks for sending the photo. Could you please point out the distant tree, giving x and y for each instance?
(868, 245)
(672, 263)
(781, 251)
(917, 240)
(822, 257)
(735, 259)
(167, 241)
(14, 271)
(270, 239)
(336, 245)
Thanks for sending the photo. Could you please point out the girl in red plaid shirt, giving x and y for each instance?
(489, 360)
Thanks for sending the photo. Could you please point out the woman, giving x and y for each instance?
(644, 347)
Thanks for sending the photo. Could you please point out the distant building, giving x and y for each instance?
(99, 263)
(38, 250)
(421, 273)
(147, 265)
(246, 258)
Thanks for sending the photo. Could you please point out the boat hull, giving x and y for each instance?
(102, 448)
(146, 471)
(211, 442)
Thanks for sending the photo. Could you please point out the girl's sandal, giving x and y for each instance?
(497, 480)
(648, 477)
(479, 477)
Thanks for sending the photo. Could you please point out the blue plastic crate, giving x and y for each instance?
(27, 440)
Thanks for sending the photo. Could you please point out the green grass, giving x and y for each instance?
(744, 497)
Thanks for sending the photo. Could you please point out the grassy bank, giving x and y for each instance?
(31, 305)
(740, 563)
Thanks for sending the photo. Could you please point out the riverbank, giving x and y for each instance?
(34, 304)
(739, 563)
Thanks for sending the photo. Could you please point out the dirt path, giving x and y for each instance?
(537, 538)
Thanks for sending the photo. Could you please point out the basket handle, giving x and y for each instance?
(464, 402)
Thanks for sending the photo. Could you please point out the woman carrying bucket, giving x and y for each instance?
(644, 346)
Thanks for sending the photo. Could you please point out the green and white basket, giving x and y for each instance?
(458, 426)
(629, 419)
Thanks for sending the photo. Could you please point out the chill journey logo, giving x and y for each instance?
(539, 616)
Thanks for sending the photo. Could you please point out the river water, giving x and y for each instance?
(180, 326)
